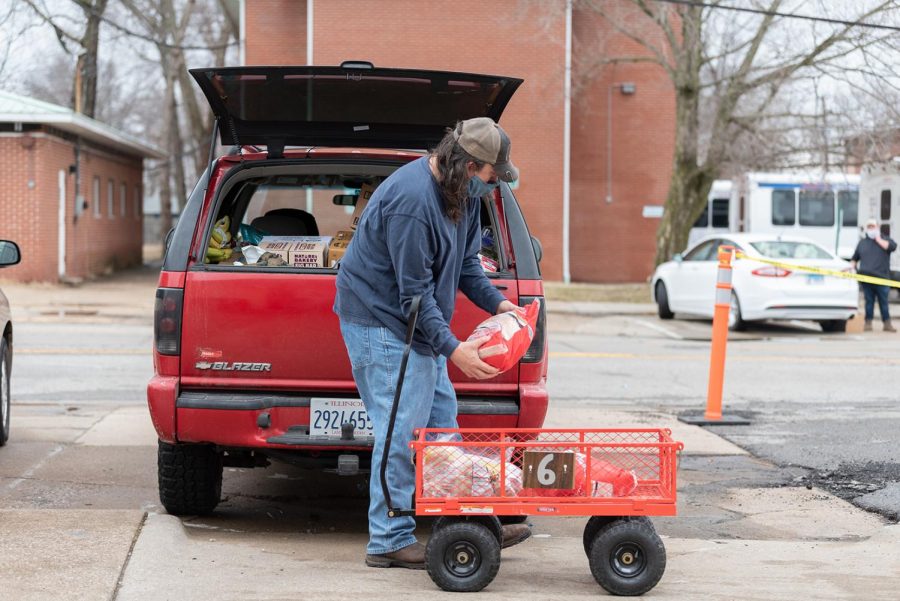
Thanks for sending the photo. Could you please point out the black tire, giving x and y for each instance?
(597, 522)
(662, 302)
(512, 519)
(190, 478)
(737, 324)
(5, 399)
(492, 523)
(834, 325)
(627, 557)
(463, 557)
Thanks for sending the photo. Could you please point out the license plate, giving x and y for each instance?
(815, 278)
(327, 415)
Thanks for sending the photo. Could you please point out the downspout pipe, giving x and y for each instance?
(567, 141)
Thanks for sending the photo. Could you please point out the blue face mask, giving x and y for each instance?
(478, 188)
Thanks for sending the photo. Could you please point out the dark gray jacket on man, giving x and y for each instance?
(873, 259)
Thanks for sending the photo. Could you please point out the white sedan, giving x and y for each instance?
(687, 284)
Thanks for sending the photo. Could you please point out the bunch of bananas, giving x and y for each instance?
(220, 241)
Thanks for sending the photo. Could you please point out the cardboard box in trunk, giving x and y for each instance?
(338, 246)
(298, 251)
(365, 193)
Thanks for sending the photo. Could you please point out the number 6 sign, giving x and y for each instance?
(548, 470)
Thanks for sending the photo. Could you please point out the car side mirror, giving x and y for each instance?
(678, 258)
(345, 200)
(9, 253)
(538, 249)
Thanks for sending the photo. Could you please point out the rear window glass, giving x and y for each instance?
(720, 212)
(790, 250)
(783, 211)
(848, 204)
(816, 207)
(323, 98)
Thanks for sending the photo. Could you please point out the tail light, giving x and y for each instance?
(536, 351)
(772, 272)
(167, 321)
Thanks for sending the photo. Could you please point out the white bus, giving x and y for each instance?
(879, 192)
(717, 217)
(789, 204)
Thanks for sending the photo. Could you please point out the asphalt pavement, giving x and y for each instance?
(798, 504)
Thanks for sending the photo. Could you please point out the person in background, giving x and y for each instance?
(872, 257)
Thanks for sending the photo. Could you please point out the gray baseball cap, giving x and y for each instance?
(486, 141)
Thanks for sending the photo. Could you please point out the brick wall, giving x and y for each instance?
(613, 241)
(608, 242)
(29, 197)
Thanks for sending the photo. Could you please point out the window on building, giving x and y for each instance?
(137, 202)
(95, 200)
(816, 207)
(110, 200)
(720, 212)
(885, 205)
(123, 189)
(783, 209)
(848, 202)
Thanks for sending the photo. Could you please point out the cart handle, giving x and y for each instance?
(385, 454)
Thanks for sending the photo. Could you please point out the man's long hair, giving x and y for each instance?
(453, 174)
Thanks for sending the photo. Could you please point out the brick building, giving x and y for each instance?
(70, 192)
(615, 171)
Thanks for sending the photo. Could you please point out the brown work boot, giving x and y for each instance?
(888, 327)
(412, 557)
(868, 326)
(513, 534)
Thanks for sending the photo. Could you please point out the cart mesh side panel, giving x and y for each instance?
(553, 468)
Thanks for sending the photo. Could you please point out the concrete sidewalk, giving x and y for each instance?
(744, 531)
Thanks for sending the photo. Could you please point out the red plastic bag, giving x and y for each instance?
(607, 480)
(510, 335)
(579, 488)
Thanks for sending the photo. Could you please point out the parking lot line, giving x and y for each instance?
(656, 327)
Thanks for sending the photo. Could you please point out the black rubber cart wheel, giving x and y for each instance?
(627, 557)
(462, 557)
(599, 521)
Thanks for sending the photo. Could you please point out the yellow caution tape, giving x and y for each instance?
(831, 272)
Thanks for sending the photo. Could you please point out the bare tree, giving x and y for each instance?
(84, 87)
(732, 75)
(169, 26)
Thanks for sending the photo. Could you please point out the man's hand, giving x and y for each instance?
(466, 358)
(505, 306)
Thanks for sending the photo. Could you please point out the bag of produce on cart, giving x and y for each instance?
(579, 486)
(610, 480)
(606, 480)
(450, 471)
(510, 334)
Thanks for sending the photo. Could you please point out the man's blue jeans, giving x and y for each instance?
(870, 291)
(428, 399)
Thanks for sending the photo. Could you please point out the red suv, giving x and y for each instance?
(248, 355)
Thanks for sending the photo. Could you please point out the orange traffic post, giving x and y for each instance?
(722, 312)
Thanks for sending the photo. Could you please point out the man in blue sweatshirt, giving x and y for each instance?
(419, 236)
(873, 257)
